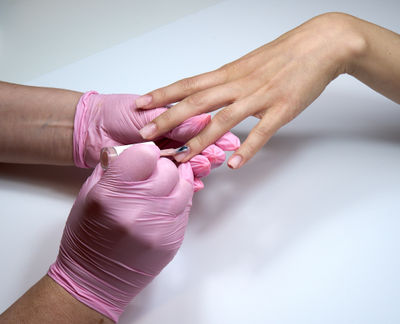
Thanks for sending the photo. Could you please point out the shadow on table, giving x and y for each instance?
(225, 190)
(65, 180)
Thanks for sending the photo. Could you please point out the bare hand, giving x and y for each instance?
(273, 83)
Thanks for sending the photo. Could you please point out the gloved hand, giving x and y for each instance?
(126, 225)
(109, 120)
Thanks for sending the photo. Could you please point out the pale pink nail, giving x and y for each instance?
(234, 161)
(143, 101)
(148, 131)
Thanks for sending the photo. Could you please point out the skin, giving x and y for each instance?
(274, 83)
(48, 302)
(277, 81)
(38, 127)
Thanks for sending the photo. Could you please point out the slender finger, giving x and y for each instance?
(181, 197)
(198, 103)
(273, 119)
(181, 89)
(222, 122)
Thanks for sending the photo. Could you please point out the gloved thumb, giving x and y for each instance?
(137, 163)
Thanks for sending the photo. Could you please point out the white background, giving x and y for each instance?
(307, 232)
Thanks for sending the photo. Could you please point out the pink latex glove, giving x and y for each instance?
(126, 225)
(109, 120)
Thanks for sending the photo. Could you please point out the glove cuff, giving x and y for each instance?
(86, 288)
(80, 129)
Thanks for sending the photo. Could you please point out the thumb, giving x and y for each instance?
(136, 163)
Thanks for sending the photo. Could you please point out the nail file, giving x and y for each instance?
(107, 154)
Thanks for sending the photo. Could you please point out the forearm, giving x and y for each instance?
(47, 302)
(378, 64)
(36, 124)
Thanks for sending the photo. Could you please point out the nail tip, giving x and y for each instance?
(182, 149)
(143, 101)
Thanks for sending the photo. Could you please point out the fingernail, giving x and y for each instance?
(182, 149)
(148, 131)
(183, 152)
(234, 161)
(143, 101)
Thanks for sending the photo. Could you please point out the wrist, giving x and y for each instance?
(80, 129)
(48, 302)
(343, 38)
(351, 43)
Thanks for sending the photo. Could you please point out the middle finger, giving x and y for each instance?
(201, 102)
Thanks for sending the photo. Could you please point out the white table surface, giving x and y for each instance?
(307, 232)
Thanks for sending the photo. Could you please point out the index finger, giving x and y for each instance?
(181, 89)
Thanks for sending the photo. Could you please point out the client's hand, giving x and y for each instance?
(126, 225)
(109, 120)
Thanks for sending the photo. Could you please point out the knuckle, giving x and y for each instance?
(249, 149)
(151, 242)
(238, 88)
(290, 114)
(94, 202)
(189, 84)
(164, 119)
(224, 116)
(196, 100)
(286, 113)
(159, 94)
(198, 143)
(159, 240)
(223, 73)
(231, 70)
(261, 132)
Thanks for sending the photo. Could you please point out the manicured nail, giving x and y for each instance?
(143, 101)
(171, 152)
(234, 161)
(148, 131)
(183, 151)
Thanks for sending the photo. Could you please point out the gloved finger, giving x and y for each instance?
(181, 197)
(163, 180)
(186, 172)
(214, 154)
(201, 166)
(189, 128)
(197, 185)
(228, 142)
(136, 163)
